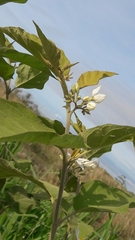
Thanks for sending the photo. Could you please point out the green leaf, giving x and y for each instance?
(24, 58)
(73, 223)
(16, 118)
(28, 41)
(75, 127)
(8, 171)
(31, 43)
(17, 123)
(39, 196)
(54, 55)
(29, 77)
(100, 139)
(72, 183)
(43, 49)
(67, 205)
(98, 196)
(51, 51)
(23, 164)
(2, 183)
(2, 39)
(4, 42)
(78, 127)
(56, 125)
(15, 1)
(80, 230)
(19, 200)
(92, 78)
(6, 70)
(85, 230)
(64, 64)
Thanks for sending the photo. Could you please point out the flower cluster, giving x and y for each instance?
(83, 162)
(96, 98)
(87, 103)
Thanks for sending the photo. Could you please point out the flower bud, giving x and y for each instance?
(71, 94)
(91, 105)
(77, 88)
(86, 99)
(73, 88)
(78, 97)
(68, 101)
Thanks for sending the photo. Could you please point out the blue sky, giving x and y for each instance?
(101, 36)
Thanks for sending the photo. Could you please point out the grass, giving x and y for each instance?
(34, 225)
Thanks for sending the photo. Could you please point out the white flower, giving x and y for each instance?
(83, 162)
(95, 91)
(91, 105)
(98, 98)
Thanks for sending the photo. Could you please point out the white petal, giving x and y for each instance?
(91, 105)
(90, 164)
(84, 162)
(99, 98)
(80, 163)
(96, 90)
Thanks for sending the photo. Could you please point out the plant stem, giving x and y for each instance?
(67, 217)
(58, 203)
(55, 222)
(7, 91)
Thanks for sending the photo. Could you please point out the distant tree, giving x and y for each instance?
(17, 96)
(122, 180)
